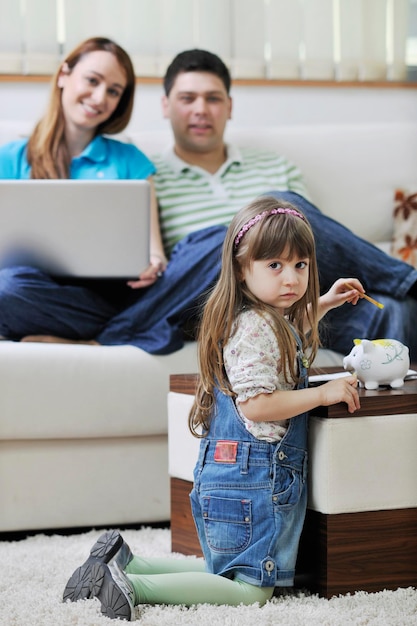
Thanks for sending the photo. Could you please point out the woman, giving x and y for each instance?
(92, 95)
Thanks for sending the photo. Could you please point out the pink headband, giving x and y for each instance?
(260, 216)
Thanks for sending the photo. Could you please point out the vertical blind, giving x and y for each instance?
(353, 40)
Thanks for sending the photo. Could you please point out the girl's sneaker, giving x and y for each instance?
(114, 590)
(109, 547)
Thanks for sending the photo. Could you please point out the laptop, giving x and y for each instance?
(76, 228)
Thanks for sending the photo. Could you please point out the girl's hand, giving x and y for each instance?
(341, 390)
(151, 274)
(339, 293)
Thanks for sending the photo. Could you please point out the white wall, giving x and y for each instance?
(253, 106)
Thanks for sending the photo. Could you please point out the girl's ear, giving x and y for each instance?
(65, 71)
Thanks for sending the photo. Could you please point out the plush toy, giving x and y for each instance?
(378, 362)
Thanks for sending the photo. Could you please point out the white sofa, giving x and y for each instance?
(83, 430)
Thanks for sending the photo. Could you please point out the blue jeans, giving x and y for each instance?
(153, 319)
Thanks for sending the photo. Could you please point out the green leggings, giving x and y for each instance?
(185, 581)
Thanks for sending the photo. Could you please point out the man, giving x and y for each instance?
(201, 182)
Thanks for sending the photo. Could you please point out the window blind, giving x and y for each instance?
(342, 40)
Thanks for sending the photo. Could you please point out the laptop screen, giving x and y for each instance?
(76, 228)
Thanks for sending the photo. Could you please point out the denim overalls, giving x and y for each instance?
(249, 497)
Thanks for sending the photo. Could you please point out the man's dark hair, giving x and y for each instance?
(196, 61)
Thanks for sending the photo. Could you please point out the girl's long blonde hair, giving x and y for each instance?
(268, 238)
(47, 151)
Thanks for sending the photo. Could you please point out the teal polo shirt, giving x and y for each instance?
(103, 158)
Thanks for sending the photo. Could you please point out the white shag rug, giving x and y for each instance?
(34, 571)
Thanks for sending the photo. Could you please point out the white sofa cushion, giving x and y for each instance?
(363, 463)
(61, 391)
(182, 445)
(63, 483)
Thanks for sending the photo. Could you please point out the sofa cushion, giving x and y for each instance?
(362, 463)
(404, 242)
(63, 391)
(182, 445)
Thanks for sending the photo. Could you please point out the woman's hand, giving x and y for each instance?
(341, 390)
(150, 275)
(158, 260)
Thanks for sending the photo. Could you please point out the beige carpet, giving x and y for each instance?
(33, 573)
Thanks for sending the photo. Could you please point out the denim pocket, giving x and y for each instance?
(228, 523)
(287, 487)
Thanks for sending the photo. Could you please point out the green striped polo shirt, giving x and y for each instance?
(190, 198)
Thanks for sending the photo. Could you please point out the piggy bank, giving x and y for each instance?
(378, 362)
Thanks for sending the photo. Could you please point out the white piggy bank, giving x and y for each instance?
(378, 362)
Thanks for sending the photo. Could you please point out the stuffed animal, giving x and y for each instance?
(378, 362)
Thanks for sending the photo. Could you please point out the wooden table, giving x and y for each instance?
(342, 553)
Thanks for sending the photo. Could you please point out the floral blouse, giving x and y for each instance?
(253, 365)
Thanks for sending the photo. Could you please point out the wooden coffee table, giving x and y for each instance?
(339, 553)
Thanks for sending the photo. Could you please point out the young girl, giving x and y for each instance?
(258, 332)
(91, 98)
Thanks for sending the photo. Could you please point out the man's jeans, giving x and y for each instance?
(153, 318)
